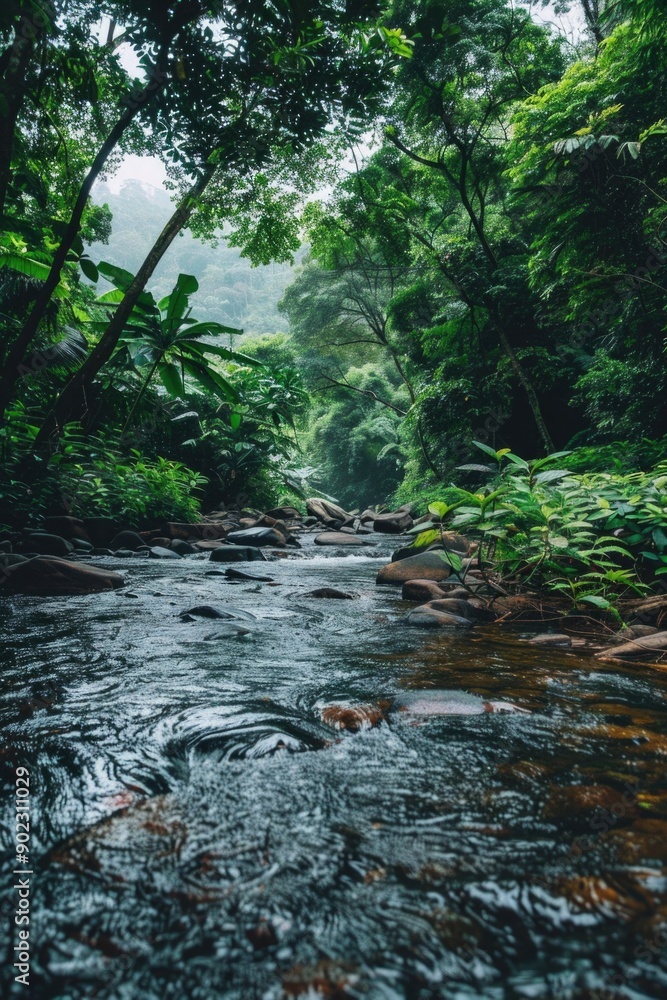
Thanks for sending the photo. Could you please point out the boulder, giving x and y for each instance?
(257, 536)
(236, 553)
(328, 513)
(101, 530)
(45, 544)
(460, 606)
(339, 538)
(127, 540)
(367, 516)
(451, 542)
(393, 523)
(427, 617)
(208, 546)
(81, 545)
(650, 645)
(67, 527)
(284, 514)
(204, 531)
(182, 548)
(424, 566)
(422, 591)
(48, 575)
(159, 552)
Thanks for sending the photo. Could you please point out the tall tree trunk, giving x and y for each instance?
(13, 85)
(102, 352)
(23, 341)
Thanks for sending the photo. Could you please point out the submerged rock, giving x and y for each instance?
(352, 717)
(425, 566)
(238, 574)
(235, 553)
(329, 592)
(549, 639)
(51, 576)
(425, 703)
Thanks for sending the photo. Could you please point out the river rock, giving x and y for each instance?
(352, 717)
(236, 553)
(393, 523)
(284, 514)
(182, 548)
(550, 639)
(208, 546)
(463, 608)
(159, 552)
(450, 542)
(422, 591)
(424, 566)
(49, 575)
(577, 805)
(206, 531)
(257, 536)
(100, 530)
(339, 538)
(238, 574)
(328, 512)
(206, 611)
(12, 559)
(127, 540)
(67, 527)
(329, 592)
(229, 630)
(81, 545)
(427, 617)
(434, 703)
(45, 544)
(638, 648)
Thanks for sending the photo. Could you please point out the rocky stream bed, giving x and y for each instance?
(276, 777)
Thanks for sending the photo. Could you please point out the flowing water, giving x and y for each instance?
(198, 831)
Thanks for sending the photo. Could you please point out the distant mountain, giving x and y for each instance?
(230, 290)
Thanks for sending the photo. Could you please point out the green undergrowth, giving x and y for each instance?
(593, 536)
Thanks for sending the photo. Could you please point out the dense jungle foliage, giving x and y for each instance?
(458, 211)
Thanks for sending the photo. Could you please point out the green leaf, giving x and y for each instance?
(89, 269)
(597, 600)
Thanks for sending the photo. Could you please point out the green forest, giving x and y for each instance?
(412, 253)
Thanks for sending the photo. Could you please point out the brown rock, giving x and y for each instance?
(50, 576)
(644, 842)
(650, 644)
(330, 593)
(329, 513)
(595, 807)
(427, 616)
(422, 591)
(284, 514)
(352, 717)
(208, 546)
(425, 566)
(339, 538)
(549, 639)
(393, 523)
(66, 527)
(203, 531)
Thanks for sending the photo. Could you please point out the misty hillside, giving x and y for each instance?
(230, 290)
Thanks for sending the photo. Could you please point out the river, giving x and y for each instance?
(198, 831)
